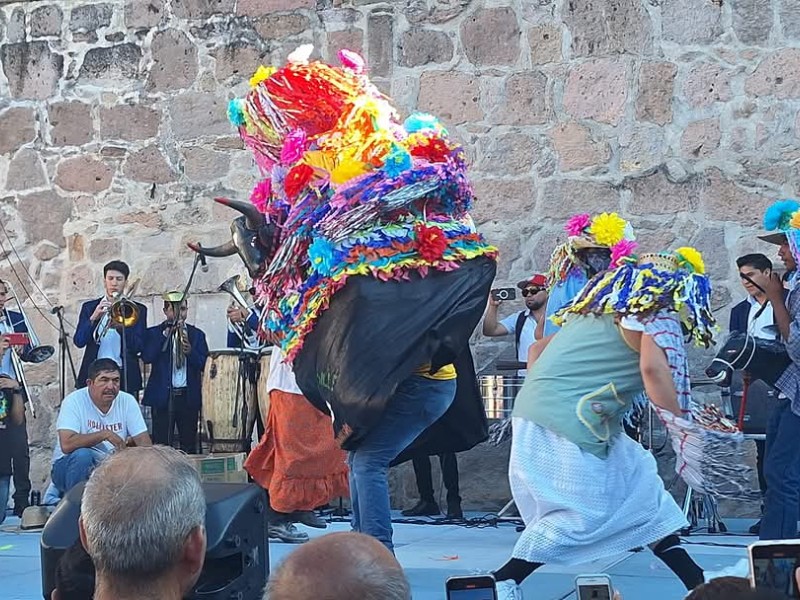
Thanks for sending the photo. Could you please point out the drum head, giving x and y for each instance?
(232, 352)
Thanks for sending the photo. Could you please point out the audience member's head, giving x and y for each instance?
(752, 265)
(74, 575)
(731, 588)
(143, 524)
(345, 565)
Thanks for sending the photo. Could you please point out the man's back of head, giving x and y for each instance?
(340, 566)
(143, 523)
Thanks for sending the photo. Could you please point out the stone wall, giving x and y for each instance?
(680, 114)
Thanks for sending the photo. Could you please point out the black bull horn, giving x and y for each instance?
(251, 238)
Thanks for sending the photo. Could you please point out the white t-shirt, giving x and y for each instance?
(281, 374)
(79, 414)
(526, 337)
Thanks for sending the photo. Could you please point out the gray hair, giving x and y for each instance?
(138, 508)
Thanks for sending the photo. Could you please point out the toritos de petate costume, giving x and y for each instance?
(360, 244)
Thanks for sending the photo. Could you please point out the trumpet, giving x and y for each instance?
(122, 311)
(231, 285)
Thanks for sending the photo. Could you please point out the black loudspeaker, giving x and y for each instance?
(761, 402)
(237, 558)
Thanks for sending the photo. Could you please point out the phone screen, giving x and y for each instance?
(473, 594)
(776, 573)
(594, 592)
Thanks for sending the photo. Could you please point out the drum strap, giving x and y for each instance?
(518, 328)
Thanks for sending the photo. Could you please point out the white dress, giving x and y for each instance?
(577, 507)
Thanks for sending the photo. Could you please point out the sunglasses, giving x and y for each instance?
(531, 291)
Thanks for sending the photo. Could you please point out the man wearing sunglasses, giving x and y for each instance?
(527, 325)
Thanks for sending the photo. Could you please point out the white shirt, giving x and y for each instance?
(765, 319)
(526, 337)
(79, 414)
(110, 345)
(178, 374)
(281, 375)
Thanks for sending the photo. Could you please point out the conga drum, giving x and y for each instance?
(498, 393)
(229, 399)
(263, 373)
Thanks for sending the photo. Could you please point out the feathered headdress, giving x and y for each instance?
(668, 281)
(784, 216)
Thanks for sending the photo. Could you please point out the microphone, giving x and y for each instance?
(203, 264)
(56, 309)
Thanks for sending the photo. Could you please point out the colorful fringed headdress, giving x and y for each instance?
(784, 216)
(351, 189)
(668, 281)
(606, 230)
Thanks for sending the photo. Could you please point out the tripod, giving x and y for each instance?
(64, 354)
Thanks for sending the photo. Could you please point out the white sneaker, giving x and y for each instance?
(508, 590)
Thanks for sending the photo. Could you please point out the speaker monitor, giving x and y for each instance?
(237, 557)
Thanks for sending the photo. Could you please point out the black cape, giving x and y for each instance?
(377, 333)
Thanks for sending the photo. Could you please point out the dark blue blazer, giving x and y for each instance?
(252, 322)
(740, 314)
(134, 337)
(17, 322)
(156, 394)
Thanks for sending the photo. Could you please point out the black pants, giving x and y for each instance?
(184, 418)
(422, 471)
(20, 463)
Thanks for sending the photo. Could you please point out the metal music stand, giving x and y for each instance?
(64, 354)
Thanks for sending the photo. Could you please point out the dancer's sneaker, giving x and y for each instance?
(508, 590)
(287, 532)
(309, 518)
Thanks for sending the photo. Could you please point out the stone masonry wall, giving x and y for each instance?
(681, 114)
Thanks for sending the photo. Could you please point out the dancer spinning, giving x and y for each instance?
(584, 489)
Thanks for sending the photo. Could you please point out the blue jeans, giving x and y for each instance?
(5, 486)
(782, 472)
(417, 404)
(72, 468)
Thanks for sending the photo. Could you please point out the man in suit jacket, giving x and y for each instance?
(91, 324)
(177, 352)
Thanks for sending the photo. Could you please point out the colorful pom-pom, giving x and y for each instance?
(262, 74)
(423, 122)
(780, 214)
(577, 224)
(352, 61)
(236, 112)
(397, 161)
(691, 260)
(608, 228)
(301, 54)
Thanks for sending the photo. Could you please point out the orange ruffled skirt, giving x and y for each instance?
(297, 460)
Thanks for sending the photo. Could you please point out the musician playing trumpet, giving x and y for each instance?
(177, 352)
(101, 334)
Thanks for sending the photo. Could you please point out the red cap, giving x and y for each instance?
(538, 280)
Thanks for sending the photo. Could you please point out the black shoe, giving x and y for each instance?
(308, 518)
(423, 508)
(755, 529)
(454, 511)
(19, 509)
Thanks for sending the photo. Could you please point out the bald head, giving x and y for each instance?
(340, 566)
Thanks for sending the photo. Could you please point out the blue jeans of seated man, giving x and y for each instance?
(5, 486)
(782, 472)
(72, 468)
(417, 404)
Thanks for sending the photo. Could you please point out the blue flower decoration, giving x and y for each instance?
(423, 122)
(779, 214)
(397, 161)
(322, 255)
(236, 112)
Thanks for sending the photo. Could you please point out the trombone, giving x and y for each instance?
(122, 311)
(37, 353)
(231, 285)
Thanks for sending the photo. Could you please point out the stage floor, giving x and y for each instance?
(431, 553)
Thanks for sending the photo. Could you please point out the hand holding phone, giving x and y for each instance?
(594, 587)
(480, 587)
(774, 565)
(503, 294)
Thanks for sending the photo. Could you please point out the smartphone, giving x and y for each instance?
(479, 587)
(594, 587)
(773, 565)
(504, 294)
(17, 339)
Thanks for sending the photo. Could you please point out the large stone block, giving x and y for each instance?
(602, 27)
(656, 194)
(454, 97)
(545, 42)
(197, 114)
(238, 60)
(790, 19)
(84, 174)
(3, 23)
(347, 39)
(656, 83)
(33, 71)
(85, 20)
(503, 200)
(129, 122)
(279, 27)
(725, 200)
(70, 123)
(701, 138)
(174, 61)
(507, 154)
(752, 20)
(43, 215)
(707, 83)
(16, 26)
(120, 62)
(597, 89)
(641, 147)
(26, 171)
(526, 100)
(777, 75)
(691, 21)
(423, 46)
(143, 14)
(202, 165)
(46, 20)
(256, 8)
(149, 165)
(17, 127)
(102, 250)
(562, 198)
(434, 11)
(576, 148)
(491, 36)
(380, 40)
(201, 9)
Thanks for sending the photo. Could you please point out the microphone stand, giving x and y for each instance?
(64, 354)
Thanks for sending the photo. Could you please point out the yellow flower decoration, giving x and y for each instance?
(262, 73)
(608, 228)
(691, 258)
(794, 222)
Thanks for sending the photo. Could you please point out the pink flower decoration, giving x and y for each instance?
(294, 146)
(261, 194)
(620, 250)
(352, 61)
(577, 224)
